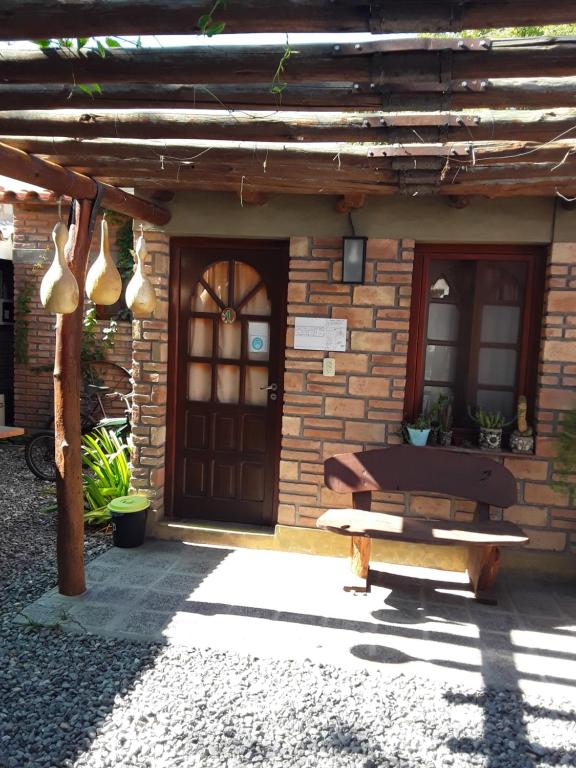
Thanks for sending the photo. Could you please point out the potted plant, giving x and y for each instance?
(491, 426)
(435, 414)
(522, 439)
(418, 431)
(446, 421)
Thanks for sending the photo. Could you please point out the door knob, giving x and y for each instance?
(271, 387)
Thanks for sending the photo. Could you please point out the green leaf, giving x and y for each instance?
(81, 42)
(42, 43)
(203, 21)
(86, 89)
(216, 28)
(111, 42)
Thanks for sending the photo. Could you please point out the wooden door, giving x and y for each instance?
(227, 361)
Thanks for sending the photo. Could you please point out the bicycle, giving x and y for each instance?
(39, 450)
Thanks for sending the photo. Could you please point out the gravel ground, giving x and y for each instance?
(82, 701)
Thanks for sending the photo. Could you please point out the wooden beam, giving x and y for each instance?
(458, 202)
(32, 19)
(410, 95)
(33, 170)
(350, 202)
(383, 63)
(93, 151)
(252, 197)
(396, 128)
(67, 427)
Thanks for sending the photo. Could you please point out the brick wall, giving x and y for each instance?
(150, 374)
(361, 407)
(33, 252)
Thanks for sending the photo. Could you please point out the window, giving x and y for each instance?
(474, 329)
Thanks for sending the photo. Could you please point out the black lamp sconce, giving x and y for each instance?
(353, 259)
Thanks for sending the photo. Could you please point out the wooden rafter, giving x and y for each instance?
(33, 170)
(25, 19)
(383, 127)
(415, 95)
(383, 63)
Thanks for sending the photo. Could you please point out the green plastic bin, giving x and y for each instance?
(128, 520)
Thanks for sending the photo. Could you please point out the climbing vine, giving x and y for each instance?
(21, 312)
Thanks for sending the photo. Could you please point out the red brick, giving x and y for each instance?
(527, 469)
(369, 386)
(344, 406)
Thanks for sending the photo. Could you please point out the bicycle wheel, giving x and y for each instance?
(39, 455)
(113, 376)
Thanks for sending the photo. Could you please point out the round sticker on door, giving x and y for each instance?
(257, 343)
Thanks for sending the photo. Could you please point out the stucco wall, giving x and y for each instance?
(515, 220)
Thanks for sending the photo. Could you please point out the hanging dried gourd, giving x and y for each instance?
(59, 290)
(140, 294)
(103, 281)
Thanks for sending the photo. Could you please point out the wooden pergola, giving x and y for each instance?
(452, 116)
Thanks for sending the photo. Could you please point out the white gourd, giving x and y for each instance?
(59, 290)
(103, 281)
(140, 294)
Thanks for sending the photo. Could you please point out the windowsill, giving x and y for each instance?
(505, 452)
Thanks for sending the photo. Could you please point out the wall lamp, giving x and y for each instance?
(353, 259)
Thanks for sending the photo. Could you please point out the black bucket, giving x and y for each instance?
(128, 530)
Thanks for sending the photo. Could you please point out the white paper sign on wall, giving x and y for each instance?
(258, 338)
(320, 333)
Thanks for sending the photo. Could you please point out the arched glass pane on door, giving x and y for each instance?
(229, 326)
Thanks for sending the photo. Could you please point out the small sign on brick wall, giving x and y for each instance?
(320, 333)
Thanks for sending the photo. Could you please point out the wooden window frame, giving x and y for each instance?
(530, 331)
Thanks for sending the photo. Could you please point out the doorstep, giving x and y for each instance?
(307, 541)
(311, 541)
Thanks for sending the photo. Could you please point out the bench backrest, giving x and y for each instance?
(405, 468)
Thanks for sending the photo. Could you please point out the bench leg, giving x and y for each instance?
(483, 566)
(358, 581)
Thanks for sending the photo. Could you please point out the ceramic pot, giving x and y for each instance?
(418, 436)
(445, 438)
(490, 439)
(521, 443)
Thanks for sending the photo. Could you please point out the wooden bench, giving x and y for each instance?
(405, 468)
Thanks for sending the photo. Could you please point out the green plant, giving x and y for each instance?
(422, 422)
(106, 458)
(208, 25)
(447, 416)
(21, 312)
(565, 459)
(487, 419)
(94, 348)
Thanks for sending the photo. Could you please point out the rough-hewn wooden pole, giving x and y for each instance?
(67, 377)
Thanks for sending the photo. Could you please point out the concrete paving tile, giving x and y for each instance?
(536, 603)
(161, 601)
(113, 595)
(185, 583)
(97, 574)
(145, 624)
(94, 616)
(142, 577)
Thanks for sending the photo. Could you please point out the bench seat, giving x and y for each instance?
(377, 525)
(407, 469)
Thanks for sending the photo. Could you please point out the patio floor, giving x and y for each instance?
(282, 605)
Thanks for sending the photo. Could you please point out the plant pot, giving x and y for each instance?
(418, 436)
(521, 443)
(445, 438)
(129, 520)
(490, 439)
(434, 438)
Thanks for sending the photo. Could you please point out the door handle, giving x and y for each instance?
(271, 387)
